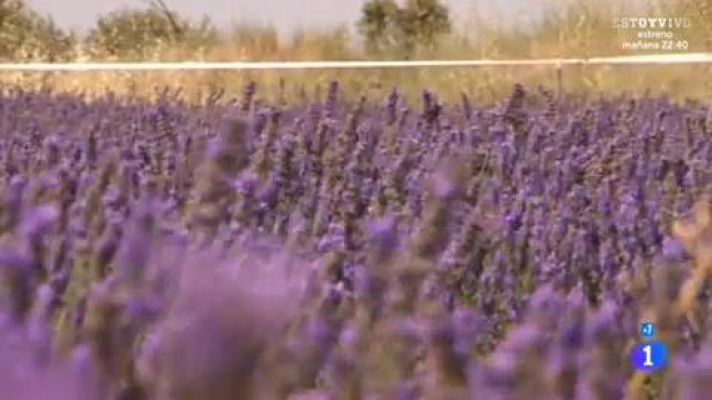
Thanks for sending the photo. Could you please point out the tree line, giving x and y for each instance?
(26, 34)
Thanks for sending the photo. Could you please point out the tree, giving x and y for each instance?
(378, 24)
(26, 35)
(386, 26)
(137, 34)
(427, 20)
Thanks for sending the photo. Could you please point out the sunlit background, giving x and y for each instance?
(285, 15)
(274, 30)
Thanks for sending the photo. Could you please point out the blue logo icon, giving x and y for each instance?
(647, 330)
(650, 357)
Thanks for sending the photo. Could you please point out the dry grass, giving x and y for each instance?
(577, 29)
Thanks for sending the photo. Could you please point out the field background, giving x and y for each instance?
(576, 29)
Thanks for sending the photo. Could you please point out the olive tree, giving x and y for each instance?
(138, 33)
(386, 26)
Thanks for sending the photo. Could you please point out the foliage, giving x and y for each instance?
(25, 35)
(139, 34)
(386, 26)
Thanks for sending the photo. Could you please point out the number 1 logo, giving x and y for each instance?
(650, 357)
(648, 350)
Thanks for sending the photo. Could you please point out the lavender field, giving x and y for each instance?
(338, 249)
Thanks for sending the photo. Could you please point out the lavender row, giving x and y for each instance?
(348, 250)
